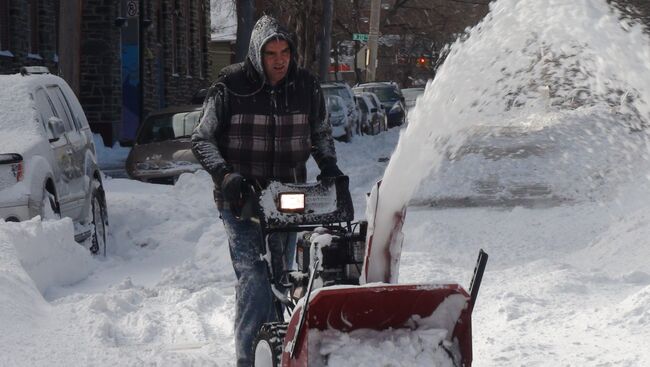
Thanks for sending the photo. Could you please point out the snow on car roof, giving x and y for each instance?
(16, 112)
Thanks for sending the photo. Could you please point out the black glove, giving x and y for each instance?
(234, 188)
(329, 170)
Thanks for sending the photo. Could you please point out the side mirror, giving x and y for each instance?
(56, 127)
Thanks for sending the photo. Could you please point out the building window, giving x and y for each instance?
(187, 16)
(203, 44)
(33, 27)
(4, 25)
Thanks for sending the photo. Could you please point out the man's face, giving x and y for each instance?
(276, 55)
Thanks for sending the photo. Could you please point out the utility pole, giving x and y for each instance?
(326, 41)
(375, 8)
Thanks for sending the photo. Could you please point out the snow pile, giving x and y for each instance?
(370, 348)
(633, 312)
(560, 157)
(34, 257)
(20, 300)
(48, 252)
(526, 59)
(623, 249)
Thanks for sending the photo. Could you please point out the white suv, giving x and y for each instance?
(48, 165)
(342, 90)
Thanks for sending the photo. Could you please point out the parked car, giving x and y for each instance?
(48, 164)
(410, 96)
(162, 150)
(343, 91)
(391, 97)
(372, 114)
(337, 113)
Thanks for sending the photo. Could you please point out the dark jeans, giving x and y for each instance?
(254, 298)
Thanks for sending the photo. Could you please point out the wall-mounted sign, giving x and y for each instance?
(132, 8)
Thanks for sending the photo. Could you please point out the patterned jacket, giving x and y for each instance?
(263, 132)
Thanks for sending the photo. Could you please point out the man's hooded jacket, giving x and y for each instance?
(263, 132)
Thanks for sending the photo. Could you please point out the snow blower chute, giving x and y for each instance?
(336, 286)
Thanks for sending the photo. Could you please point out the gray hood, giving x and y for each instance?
(266, 29)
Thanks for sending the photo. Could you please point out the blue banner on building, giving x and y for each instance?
(131, 96)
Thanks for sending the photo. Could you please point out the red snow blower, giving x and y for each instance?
(325, 293)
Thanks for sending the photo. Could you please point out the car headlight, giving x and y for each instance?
(292, 202)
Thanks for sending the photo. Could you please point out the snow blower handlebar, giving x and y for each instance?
(308, 204)
(475, 284)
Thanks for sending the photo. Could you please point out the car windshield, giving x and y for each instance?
(335, 105)
(385, 94)
(412, 93)
(169, 126)
(336, 91)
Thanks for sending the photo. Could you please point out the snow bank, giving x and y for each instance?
(622, 250)
(114, 156)
(48, 252)
(20, 300)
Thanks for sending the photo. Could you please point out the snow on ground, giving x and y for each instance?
(568, 281)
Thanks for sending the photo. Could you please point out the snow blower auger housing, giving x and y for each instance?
(324, 291)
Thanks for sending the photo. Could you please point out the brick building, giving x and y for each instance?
(121, 62)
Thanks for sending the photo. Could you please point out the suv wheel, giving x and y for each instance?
(98, 238)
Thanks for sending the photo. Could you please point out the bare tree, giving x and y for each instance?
(245, 22)
(410, 29)
(326, 40)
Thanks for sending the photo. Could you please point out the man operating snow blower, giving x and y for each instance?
(261, 120)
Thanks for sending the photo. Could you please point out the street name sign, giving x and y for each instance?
(360, 37)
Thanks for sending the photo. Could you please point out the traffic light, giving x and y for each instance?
(422, 62)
